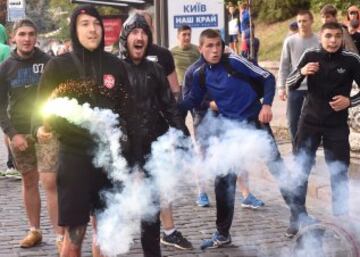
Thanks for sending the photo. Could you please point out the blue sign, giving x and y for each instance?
(15, 14)
(196, 21)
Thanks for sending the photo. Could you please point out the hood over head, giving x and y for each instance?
(134, 21)
(89, 10)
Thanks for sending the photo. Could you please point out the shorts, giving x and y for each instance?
(79, 184)
(233, 38)
(25, 161)
(48, 155)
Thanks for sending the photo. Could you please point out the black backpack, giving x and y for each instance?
(256, 85)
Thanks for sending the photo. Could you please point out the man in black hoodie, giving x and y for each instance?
(19, 77)
(154, 106)
(330, 71)
(91, 75)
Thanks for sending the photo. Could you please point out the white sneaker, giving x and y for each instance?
(12, 173)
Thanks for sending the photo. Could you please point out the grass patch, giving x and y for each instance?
(272, 36)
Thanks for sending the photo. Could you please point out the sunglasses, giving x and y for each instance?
(353, 13)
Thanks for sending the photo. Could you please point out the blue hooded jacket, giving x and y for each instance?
(235, 98)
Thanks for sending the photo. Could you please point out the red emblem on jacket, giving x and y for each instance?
(109, 81)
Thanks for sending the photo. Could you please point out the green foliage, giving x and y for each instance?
(278, 10)
(272, 37)
(341, 5)
(38, 12)
(62, 9)
(275, 10)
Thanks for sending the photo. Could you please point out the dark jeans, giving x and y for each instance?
(293, 110)
(337, 156)
(10, 161)
(150, 237)
(225, 186)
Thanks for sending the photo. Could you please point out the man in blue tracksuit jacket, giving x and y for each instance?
(236, 99)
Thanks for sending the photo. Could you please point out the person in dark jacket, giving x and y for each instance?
(154, 107)
(19, 78)
(248, 200)
(91, 75)
(170, 236)
(236, 99)
(330, 71)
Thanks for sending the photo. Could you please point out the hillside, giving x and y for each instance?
(272, 36)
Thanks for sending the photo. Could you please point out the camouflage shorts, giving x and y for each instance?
(48, 155)
(25, 161)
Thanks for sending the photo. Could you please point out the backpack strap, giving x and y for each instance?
(254, 83)
(202, 75)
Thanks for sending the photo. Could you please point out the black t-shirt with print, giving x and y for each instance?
(162, 56)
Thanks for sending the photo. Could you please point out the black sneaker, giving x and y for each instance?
(303, 221)
(175, 239)
(216, 241)
(292, 230)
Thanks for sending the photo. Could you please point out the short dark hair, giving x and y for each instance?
(332, 25)
(183, 28)
(306, 12)
(328, 9)
(293, 26)
(24, 22)
(208, 33)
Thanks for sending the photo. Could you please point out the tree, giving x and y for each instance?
(277, 10)
(341, 5)
(37, 10)
(61, 11)
(3, 11)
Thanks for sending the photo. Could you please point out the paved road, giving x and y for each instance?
(255, 233)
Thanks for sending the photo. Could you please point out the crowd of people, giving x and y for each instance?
(152, 89)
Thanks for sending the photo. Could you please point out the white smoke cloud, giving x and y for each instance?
(225, 146)
(229, 147)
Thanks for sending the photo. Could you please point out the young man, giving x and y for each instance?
(330, 71)
(329, 14)
(19, 77)
(293, 47)
(155, 110)
(171, 236)
(245, 19)
(236, 99)
(4, 54)
(233, 26)
(248, 200)
(106, 83)
(184, 53)
(164, 57)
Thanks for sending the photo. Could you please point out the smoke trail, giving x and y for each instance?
(171, 156)
(130, 197)
(119, 223)
(100, 122)
(226, 146)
